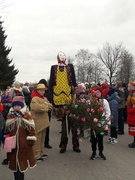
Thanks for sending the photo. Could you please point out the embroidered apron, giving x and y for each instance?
(62, 90)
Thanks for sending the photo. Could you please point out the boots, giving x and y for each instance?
(93, 156)
(102, 156)
(63, 150)
(132, 145)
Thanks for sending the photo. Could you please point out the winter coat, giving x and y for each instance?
(113, 102)
(26, 93)
(107, 112)
(7, 102)
(107, 108)
(39, 108)
(18, 124)
(131, 108)
(2, 123)
(1, 107)
(121, 94)
(131, 113)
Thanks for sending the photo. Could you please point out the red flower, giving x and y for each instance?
(26, 116)
(10, 116)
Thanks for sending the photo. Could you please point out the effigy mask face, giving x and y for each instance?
(61, 57)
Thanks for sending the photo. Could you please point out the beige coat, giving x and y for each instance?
(39, 109)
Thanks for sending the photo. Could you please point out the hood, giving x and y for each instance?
(114, 96)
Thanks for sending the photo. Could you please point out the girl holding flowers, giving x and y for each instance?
(97, 135)
(91, 116)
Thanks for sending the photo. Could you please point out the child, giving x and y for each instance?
(39, 107)
(20, 123)
(113, 100)
(97, 137)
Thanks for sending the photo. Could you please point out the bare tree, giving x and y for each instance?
(82, 63)
(96, 70)
(126, 70)
(110, 57)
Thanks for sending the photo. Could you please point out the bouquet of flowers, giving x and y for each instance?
(88, 115)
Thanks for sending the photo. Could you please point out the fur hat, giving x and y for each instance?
(41, 86)
(18, 100)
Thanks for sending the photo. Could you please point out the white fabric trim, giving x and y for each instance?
(31, 138)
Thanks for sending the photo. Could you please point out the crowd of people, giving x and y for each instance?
(27, 112)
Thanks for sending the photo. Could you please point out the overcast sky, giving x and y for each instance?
(38, 29)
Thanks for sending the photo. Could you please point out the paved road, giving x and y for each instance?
(120, 163)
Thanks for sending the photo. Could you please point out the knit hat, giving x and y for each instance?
(41, 86)
(18, 100)
(110, 92)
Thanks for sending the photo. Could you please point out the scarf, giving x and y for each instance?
(35, 93)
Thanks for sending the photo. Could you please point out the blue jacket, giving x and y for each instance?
(113, 102)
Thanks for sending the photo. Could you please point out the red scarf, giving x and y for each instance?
(35, 93)
(17, 92)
